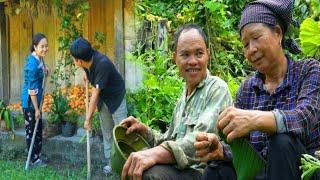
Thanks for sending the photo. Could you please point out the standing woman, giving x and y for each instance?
(34, 72)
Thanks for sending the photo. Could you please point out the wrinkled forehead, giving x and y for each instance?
(190, 36)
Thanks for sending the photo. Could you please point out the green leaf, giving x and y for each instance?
(310, 37)
(213, 6)
(6, 116)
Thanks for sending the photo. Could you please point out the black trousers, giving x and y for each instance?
(170, 172)
(29, 122)
(284, 157)
(219, 170)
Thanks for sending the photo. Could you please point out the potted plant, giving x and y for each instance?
(69, 123)
(4, 117)
(57, 113)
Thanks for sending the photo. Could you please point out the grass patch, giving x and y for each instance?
(15, 170)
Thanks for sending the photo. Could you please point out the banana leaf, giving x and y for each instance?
(246, 161)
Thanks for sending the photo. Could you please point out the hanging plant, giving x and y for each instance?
(31, 7)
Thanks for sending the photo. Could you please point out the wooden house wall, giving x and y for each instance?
(22, 27)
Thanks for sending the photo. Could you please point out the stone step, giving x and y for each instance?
(60, 150)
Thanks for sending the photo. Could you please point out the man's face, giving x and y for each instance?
(77, 62)
(191, 57)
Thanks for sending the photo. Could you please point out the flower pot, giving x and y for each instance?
(68, 129)
(123, 145)
(3, 126)
(50, 130)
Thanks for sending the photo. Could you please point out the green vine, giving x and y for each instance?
(218, 18)
(71, 15)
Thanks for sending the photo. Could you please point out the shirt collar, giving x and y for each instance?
(200, 85)
(258, 78)
(34, 55)
(204, 80)
(93, 65)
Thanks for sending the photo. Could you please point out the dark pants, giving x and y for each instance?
(284, 158)
(283, 163)
(219, 170)
(29, 117)
(169, 172)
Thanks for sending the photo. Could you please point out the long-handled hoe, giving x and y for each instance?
(37, 123)
(88, 136)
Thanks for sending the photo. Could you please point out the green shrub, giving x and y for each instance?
(59, 108)
(154, 102)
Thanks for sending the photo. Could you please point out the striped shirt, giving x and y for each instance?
(297, 99)
(195, 113)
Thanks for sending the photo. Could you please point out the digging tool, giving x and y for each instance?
(37, 123)
(88, 136)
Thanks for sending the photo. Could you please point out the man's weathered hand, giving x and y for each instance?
(137, 163)
(134, 125)
(208, 147)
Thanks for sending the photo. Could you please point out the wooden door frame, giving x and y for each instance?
(4, 58)
(119, 36)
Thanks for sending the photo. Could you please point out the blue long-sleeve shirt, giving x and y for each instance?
(33, 78)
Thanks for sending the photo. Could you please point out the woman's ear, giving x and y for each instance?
(278, 32)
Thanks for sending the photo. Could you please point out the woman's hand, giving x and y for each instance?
(37, 114)
(47, 71)
(235, 123)
(208, 147)
(134, 125)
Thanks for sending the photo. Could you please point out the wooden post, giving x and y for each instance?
(147, 35)
(119, 36)
(162, 39)
(4, 60)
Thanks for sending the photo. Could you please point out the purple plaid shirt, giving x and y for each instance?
(297, 98)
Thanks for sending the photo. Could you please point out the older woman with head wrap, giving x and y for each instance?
(278, 108)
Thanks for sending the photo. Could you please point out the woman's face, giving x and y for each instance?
(42, 48)
(262, 46)
(191, 57)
